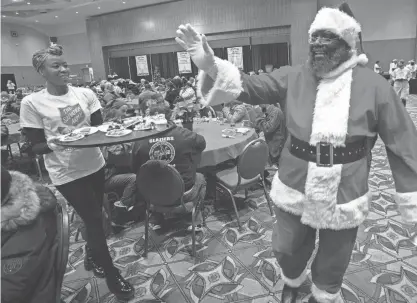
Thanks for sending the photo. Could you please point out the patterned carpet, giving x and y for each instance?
(238, 266)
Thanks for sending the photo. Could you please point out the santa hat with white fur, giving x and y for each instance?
(339, 21)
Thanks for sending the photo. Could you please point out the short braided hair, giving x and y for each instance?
(39, 58)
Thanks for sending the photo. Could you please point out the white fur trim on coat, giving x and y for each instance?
(407, 205)
(23, 203)
(225, 88)
(337, 22)
(342, 216)
(287, 198)
(324, 297)
(297, 282)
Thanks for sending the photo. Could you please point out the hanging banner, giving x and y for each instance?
(235, 56)
(142, 65)
(184, 63)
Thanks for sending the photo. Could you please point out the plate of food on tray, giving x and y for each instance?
(110, 126)
(143, 126)
(118, 132)
(71, 137)
(86, 130)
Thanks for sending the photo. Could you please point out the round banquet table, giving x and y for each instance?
(219, 149)
(100, 139)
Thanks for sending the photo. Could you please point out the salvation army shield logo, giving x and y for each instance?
(12, 266)
(72, 115)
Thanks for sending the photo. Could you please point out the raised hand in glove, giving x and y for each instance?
(196, 45)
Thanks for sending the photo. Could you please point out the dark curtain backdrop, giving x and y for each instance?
(220, 52)
(275, 54)
(120, 66)
(247, 58)
(167, 62)
(134, 71)
(255, 57)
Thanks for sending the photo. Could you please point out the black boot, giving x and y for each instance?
(118, 286)
(89, 264)
(289, 294)
(312, 300)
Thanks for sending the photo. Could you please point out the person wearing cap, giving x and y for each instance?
(401, 76)
(413, 68)
(334, 106)
(28, 240)
(377, 67)
(392, 67)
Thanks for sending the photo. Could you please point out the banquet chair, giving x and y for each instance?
(248, 172)
(63, 246)
(149, 179)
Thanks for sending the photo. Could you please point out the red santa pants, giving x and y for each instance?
(293, 245)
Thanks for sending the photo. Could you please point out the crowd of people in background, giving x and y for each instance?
(399, 75)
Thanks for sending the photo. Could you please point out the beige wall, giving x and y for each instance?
(18, 51)
(76, 48)
(213, 17)
(208, 16)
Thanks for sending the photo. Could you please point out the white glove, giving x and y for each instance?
(196, 45)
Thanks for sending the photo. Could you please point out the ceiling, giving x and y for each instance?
(49, 13)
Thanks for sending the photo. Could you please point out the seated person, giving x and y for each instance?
(109, 94)
(182, 149)
(187, 92)
(172, 93)
(235, 112)
(28, 236)
(120, 180)
(115, 110)
(118, 177)
(272, 124)
(207, 111)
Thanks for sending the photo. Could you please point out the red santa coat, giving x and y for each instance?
(351, 101)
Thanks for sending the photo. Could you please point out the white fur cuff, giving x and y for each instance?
(407, 205)
(297, 282)
(225, 88)
(324, 297)
(286, 198)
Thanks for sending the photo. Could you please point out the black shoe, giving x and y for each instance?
(90, 265)
(312, 300)
(118, 286)
(289, 294)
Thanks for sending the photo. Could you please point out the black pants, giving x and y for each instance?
(86, 196)
(293, 244)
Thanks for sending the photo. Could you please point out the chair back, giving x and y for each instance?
(253, 159)
(159, 183)
(63, 246)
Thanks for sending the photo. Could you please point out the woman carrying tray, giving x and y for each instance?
(78, 174)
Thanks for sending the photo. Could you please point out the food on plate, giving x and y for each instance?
(86, 130)
(118, 132)
(143, 126)
(71, 137)
(114, 127)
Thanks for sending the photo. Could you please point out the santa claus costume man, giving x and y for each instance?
(334, 107)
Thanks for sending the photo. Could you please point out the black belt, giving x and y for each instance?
(325, 155)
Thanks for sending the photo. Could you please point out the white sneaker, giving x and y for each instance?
(121, 205)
